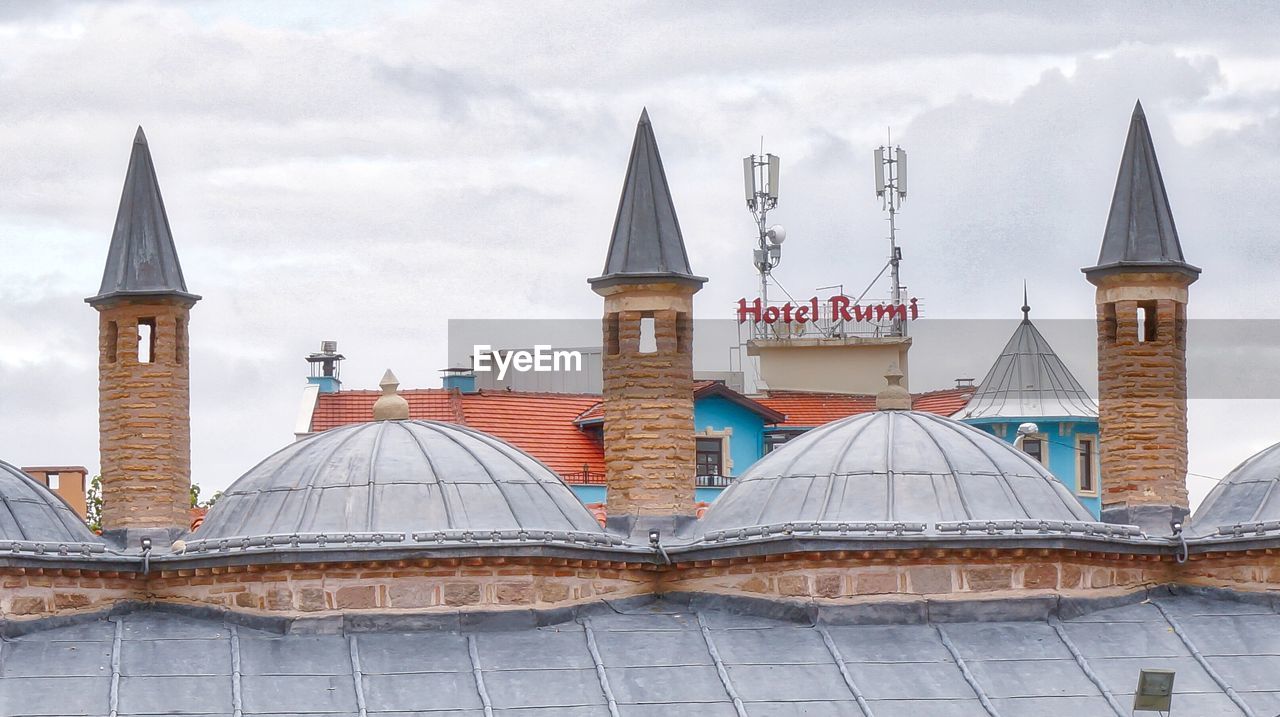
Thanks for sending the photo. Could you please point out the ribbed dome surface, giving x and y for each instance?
(31, 512)
(893, 466)
(396, 476)
(1249, 494)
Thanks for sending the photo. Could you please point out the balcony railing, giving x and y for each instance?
(589, 478)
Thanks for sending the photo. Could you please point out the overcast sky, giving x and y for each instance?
(364, 172)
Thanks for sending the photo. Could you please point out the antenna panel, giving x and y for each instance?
(774, 165)
(902, 171)
(879, 160)
(749, 179)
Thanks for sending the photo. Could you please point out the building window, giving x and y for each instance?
(648, 343)
(53, 480)
(1147, 321)
(1086, 465)
(1036, 447)
(710, 457)
(1109, 323)
(612, 341)
(113, 339)
(146, 340)
(774, 441)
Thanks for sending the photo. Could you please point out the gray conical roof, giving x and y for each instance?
(1140, 232)
(647, 244)
(397, 477)
(1029, 380)
(1250, 494)
(142, 259)
(31, 512)
(888, 466)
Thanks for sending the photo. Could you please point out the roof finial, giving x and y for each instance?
(390, 406)
(894, 397)
(1026, 307)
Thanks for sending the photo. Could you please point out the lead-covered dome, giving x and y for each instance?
(30, 512)
(1250, 494)
(893, 466)
(397, 477)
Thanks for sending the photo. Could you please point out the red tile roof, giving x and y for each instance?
(541, 424)
(700, 389)
(346, 407)
(807, 409)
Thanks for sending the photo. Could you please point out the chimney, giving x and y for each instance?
(143, 367)
(326, 367)
(648, 291)
(1142, 285)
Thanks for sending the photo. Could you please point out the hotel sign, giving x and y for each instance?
(834, 309)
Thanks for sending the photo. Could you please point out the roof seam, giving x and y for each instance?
(474, 653)
(1086, 668)
(721, 670)
(966, 673)
(600, 671)
(844, 671)
(357, 675)
(1204, 663)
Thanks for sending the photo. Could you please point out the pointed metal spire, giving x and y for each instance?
(142, 259)
(1140, 234)
(647, 244)
(1026, 307)
(1029, 380)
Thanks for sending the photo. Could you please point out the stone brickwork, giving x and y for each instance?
(447, 585)
(1142, 389)
(648, 401)
(423, 585)
(144, 414)
(857, 576)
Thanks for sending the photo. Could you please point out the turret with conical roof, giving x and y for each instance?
(1029, 381)
(142, 260)
(1142, 279)
(143, 373)
(648, 290)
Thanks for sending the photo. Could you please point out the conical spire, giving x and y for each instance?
(1140, 232)
(647, 245)
(1029, 380)
(142, 259)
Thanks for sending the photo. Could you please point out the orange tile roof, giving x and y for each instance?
(540, 424)
(346, 407)
(807, 409)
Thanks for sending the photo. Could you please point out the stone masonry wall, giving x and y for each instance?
(1142, 389)
(648, 412)
(426, 585)
(144, 415)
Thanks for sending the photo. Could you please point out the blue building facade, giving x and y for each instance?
(1029, 398)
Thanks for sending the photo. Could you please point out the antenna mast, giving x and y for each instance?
(760, 183)
(891, 188)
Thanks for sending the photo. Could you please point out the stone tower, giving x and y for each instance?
(648, 291)
(1142, 280)
(143, 365)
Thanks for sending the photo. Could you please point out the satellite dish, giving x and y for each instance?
(776, 234)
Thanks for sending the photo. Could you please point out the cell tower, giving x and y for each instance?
(760, 182)
(891, 188)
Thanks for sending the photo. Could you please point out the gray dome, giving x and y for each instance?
(31, 512)
(893, 466)
(1248, 495)
(396, 477)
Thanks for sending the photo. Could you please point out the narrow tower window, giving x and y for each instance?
(113, 340)
(612, 342)
(648, 335)
(180, 341)
(682, 333)
(147, 340)
(1109, 322)
(1086, 480)
(1147, 321)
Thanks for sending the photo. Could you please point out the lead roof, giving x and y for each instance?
(646, 244)
(397, 476)
(1248, 497)
(893, 466)
(142, 259)
(1140, 233)
(30, 512)
(1029, 380)
(664, 658)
